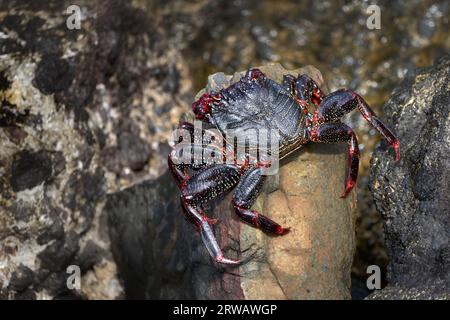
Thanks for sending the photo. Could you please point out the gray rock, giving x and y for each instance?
(413, 196)
(82, 114)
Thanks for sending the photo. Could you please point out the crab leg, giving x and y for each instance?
(199, 157)
(203, 226)
(340, 102)
(244, 197)
(339, 132)
(205, 185)
(179, 168)
(304, 89)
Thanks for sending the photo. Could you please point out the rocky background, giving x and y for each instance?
(82, 112)
(414, 195)
(85, 115)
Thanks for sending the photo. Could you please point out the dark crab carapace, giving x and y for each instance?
(298, 110)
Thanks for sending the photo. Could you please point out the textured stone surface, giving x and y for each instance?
(413, 196)
(314, 260)
(82, 114)
(159, 255)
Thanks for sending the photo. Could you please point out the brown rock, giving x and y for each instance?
(314, 260)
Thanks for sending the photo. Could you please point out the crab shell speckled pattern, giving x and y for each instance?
(268, 105)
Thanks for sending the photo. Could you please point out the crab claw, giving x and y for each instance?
(212, 246)
(202, 107)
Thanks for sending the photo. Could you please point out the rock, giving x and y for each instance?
(30, 169)
(22, 278)
(83, 113)
(159, 254)
(413, 196)
(314, 260)
(151, 248)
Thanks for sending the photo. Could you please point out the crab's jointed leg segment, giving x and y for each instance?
(203, 226)
(205, 185)
(340, 102)
(244, 197)
(304, 89)
(339, 132)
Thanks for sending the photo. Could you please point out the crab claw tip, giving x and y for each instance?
(349, 186)
(396, 146)
(282, 231)
(223, 260)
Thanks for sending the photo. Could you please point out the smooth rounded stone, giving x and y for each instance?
(314, 260)
(413, 196)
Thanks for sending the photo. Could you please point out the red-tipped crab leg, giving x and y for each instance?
(203, 225)
(202, 187)
(244, 197)
(340, 132)
(337, 104)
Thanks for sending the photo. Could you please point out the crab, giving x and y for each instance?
(297, 109)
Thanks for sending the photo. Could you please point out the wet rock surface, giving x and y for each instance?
(413, 196)
(82, 114)
(159, 254)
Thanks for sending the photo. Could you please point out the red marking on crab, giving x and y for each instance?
(302, 104)
(315, 117)
(348, 187)
(314, 134)
(282, 231)
(317, 96)
(256, 74)
(211, 221)
(202, 107)
(396, 146)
